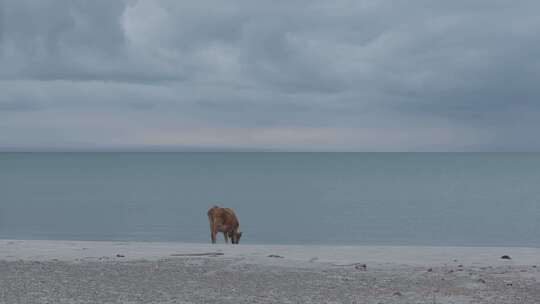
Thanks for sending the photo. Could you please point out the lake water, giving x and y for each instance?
(478, 199)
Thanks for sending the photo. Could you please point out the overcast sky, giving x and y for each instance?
(359, 75)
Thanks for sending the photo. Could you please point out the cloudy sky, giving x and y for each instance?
(358, 75)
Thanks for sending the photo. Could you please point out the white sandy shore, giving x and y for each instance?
(137, 272)
(39, 250)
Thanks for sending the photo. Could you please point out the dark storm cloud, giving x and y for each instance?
(345, 75)
(59, 39)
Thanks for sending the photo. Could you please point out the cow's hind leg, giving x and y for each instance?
(213, 230)
(213, 235)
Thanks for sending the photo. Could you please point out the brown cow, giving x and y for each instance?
(224, 220)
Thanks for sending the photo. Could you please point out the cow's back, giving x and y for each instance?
(223, 217)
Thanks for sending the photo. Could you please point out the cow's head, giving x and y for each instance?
(235, 237)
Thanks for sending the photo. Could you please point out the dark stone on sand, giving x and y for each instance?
(211, 254)
(360, 266)
(481, 281)
(430, 270)
(120, 256)
(275, 256)
(506, 257)
(397, 293)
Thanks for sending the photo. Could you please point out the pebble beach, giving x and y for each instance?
(136, 272)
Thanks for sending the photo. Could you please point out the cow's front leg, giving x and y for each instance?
(226, 237)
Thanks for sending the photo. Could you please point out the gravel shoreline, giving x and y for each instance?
(219, 280)
(131, 272)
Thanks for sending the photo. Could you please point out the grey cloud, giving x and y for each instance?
(60, 39)
(18, 105)
(456, 66)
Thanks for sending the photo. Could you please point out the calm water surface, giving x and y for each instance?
(307, 198)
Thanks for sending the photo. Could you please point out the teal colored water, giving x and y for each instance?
(306, 198)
